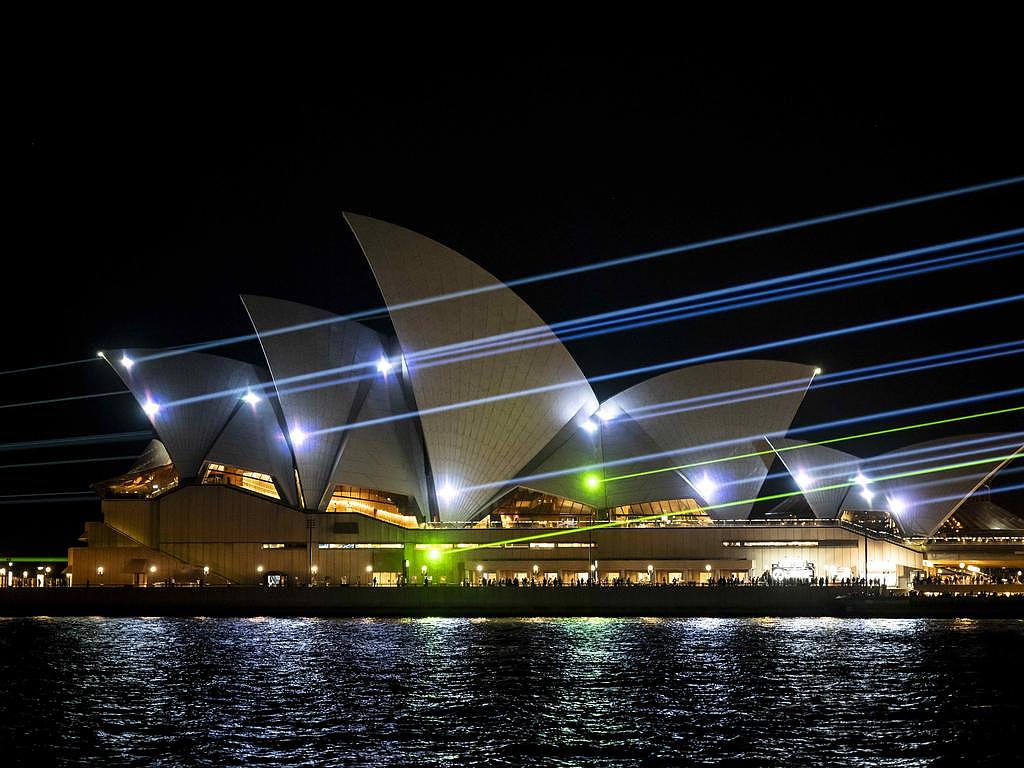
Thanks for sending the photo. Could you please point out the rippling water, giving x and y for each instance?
(509, 691)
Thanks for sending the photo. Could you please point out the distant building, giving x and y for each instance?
(471, 446)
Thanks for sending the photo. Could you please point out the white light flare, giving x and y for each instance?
(447, 493)
(706, 487)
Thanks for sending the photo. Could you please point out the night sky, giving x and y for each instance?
(148, 198)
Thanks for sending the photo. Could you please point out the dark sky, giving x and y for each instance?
(148, 197)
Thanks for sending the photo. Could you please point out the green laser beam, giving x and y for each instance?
(875, 433)
(728, 504)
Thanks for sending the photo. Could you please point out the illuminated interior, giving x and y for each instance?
(525, 508)
(381, 505)
(873, 520)
(256, 482)
(143, 484)
(677, 512)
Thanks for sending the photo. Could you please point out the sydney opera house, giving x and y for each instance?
(469, 445)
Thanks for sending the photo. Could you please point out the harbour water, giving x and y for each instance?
(595, 692)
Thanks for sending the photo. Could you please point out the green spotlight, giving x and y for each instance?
(592, 482)
(433, 554)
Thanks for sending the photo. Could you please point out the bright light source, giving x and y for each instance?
(384, 366)
(100, 354)
(962, 565)
(447, 493)
(973, 569)
(706, 487)
(897, 505)
(589, 425)
(592, 482)
(150, 408)
(251, 397)
(259, 569)
(369, 568)
(479, 568)
(867, 495)
(861, 479)
(127, 362)
(433, 554)
(298, 436)
(607, 412)
(708, 567)
(803, 479)
(817, 371)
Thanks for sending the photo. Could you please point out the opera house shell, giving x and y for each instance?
(350, 452)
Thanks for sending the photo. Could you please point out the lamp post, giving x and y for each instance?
(310, 525)
(369, 574)
(423, 570)
(650, 574)
(99, 574)
(479, 572)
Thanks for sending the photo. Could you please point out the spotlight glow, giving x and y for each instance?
(150, 407)
(867, 495)
(897, 505)
(803, 479)
(589, 425)
(862, 480)
(298, 436)
(607, 412)
(384, 366)
(251, 397)
(127, 362)
(817, 371)
(706, 487)
(447, 493)
(592, 482)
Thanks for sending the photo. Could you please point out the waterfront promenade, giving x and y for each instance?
(417, 601)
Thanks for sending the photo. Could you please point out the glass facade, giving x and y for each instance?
(256, 482)
(526, 508)
(388, 507)
(143, 484)
(672, 512)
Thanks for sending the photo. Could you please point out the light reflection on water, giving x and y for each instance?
(445, 691)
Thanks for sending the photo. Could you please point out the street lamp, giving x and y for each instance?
(369, 571)
(479, 572)
(650, 573)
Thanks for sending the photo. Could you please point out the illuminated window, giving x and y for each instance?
(526, 508)
(360, 546)
(372, 503)
(255, 482)
(140, 483)
(673, 512)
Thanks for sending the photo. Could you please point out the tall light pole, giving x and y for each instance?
(310, 525)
